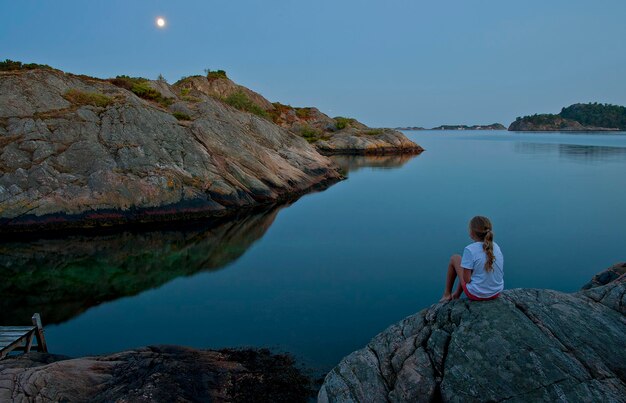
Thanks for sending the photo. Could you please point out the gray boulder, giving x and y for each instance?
(528, 345)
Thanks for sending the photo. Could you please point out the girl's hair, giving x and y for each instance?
(481, 227)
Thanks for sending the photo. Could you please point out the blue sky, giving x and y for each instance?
(387, 63)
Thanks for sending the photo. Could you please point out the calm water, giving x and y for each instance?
(321, 277)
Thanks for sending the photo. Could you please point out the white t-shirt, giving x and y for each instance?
(484, 283)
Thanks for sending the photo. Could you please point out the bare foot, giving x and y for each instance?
(456, 296)
(445, 298)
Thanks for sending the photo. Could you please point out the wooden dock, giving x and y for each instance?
(20, 338)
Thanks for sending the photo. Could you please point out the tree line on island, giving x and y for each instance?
(577, 117)
(592, 116)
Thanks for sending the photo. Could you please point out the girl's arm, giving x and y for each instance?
(467, 275)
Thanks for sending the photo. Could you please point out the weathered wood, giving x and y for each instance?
(20, 338)
(29, 342)
(41, 340)
(4, 329)
(15, 334)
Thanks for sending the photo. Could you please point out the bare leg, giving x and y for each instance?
(454, 270)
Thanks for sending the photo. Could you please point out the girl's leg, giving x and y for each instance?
(454, 270)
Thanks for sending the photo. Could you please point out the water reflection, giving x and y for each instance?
(574, 152)
(61, 278)
(352, 163)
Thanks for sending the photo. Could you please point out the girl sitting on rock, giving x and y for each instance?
(481, 268)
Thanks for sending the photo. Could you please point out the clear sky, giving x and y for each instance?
(386, 62)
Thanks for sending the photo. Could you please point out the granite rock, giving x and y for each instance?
(527, 345)
(108, 156)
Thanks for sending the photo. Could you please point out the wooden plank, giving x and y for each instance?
(7, 349)
(15, 334)
(16, 328)
(41, 339)
(10, 340)
(29, 342)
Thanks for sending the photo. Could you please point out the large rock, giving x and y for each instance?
(528, 345)
(155, 374)
(329, 135)
(77, 151)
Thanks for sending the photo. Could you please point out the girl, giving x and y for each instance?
(481, 268)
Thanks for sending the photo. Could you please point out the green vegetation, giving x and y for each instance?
(590, 115)
(542, 119)
(341, 122)
(374, 132)
(11, 65)
(140, 87)
(310, 134)
(215, 74)
(239, 100)
(181, 116)
(597, 115)
(78, 97)
(185, 91)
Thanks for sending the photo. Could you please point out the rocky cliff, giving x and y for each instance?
(528, 345)
(77, 151)
(337, 135)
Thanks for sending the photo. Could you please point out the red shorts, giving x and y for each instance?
(472, 297)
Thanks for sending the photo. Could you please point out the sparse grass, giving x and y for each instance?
(78, 97)
(185, 91)
(12, 65)
(374, 132)
(181, 116)
(341, 122)
(140, 87)
(239, 100)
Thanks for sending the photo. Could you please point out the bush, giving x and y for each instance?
(11, 65)
(374, 132)
(341, 122)
(310, 134)
(239, 100)
(78, 97)
(181, 116)
(214, 75)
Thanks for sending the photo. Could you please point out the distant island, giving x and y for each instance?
(493, 126)
(410, 128)
(577, 117)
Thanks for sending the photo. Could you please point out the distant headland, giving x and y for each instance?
(577, 117)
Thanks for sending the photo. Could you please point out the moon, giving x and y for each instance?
(160, 21)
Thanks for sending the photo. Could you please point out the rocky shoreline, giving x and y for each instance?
(528, 345)
(79, 152)
(156, 373)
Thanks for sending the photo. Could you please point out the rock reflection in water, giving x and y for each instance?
(352, 163)
(60, 278)
(576, 152)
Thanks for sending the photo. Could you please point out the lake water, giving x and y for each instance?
(321, 277)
